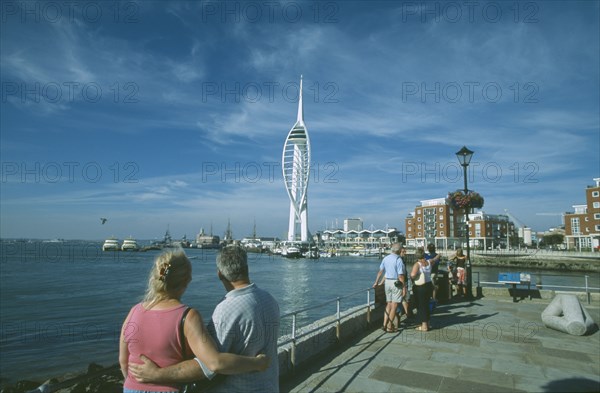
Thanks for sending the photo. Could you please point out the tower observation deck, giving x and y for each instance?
(296, 171)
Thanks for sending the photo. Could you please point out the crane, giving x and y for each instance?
(521, 226)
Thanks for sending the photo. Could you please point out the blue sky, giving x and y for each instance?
(174, 114)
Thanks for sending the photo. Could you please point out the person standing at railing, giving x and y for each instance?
(434, 258)
(246, 322)
(423, 288)
(393, 272)
(460, 261)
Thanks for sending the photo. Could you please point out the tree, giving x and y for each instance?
(552, 239)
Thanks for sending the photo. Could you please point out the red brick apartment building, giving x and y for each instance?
(582, 226)
(435, 221)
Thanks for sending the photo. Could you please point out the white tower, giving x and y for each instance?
(296, 171)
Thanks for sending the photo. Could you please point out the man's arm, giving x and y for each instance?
(149, 372)
(377, 279)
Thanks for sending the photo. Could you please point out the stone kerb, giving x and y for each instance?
(320, 336)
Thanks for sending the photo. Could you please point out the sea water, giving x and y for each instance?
(63, 303)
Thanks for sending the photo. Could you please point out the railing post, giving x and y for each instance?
(587, 290)
(368, 307)
(337, 328)
(293, 355)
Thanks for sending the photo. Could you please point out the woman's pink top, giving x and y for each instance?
(155, 334)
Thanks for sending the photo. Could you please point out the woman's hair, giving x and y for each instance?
(459, 252)
(420, 253)
(170, 275)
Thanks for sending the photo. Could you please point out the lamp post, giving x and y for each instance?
(464, 156)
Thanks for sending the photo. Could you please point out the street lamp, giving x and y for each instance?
(464, 156)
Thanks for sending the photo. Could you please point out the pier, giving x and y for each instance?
(488, 345)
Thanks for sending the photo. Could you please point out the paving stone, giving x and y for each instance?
(413, 379)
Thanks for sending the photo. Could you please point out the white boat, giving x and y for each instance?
(130, 245)
(111, 244)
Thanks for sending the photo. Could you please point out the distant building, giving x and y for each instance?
(204, 240)
(377, 238)
(582, 226)
(435, 221)
(353, 224)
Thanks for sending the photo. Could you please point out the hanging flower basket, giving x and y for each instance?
(458, 200)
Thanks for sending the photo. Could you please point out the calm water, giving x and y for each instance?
(62, 304)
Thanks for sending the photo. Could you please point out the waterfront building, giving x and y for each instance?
(435, 221)
(296, 172)
(360, 239)
(582, 226)
(204, 240)
(353, 224)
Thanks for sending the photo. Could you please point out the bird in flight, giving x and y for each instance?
(103, 220)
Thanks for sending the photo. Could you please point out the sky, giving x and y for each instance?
(173, 115)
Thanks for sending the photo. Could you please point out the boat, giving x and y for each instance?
(130, 244)
(290, 250)
(111, 244)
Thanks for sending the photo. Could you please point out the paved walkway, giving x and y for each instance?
(489, 345)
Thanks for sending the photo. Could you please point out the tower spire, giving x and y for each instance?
(300, 108)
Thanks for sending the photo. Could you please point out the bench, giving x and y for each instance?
(515, 279)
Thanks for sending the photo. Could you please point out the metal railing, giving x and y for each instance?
(297, 333)
(586, 288)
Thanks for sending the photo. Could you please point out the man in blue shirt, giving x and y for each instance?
(391, 270)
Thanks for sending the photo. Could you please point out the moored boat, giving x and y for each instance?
(111, 244)
(130, 244)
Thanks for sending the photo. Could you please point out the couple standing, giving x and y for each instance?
(240, 339)
(393, 269)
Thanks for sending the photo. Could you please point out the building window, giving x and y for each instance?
(596, 216)
(419, 233)
(441, 217)
(419, 219)
(409, 222)
(441, 209)
(595, 194)
(441, 224)
(596, 205)
(441, 233)
(575, 225)
(598, 227)
(419, 226)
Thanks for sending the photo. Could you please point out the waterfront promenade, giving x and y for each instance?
(488, 345)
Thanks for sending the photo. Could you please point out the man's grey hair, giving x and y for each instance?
(396, 247)
(232, 262)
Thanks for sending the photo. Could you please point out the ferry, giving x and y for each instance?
(111, 244)
(130, 244)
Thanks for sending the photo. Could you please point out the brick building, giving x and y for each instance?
(435, 221)
(582, 226)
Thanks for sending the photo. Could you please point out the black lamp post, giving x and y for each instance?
(464, 156)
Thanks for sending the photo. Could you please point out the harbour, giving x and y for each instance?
(65, 302)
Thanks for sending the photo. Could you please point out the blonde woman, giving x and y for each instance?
(461, 275)
(152, 329)
(422, 288)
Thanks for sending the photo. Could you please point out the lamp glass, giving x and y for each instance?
(464, 156)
